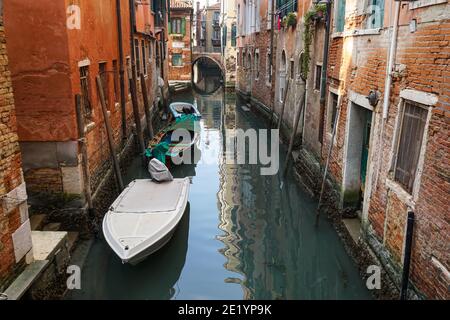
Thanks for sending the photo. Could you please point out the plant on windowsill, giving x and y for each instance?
(315, 14)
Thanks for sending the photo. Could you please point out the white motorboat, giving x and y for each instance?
(144, 217)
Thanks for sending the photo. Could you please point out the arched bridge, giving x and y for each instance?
(214, 56)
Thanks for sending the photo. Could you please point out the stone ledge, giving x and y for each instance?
(24, 281)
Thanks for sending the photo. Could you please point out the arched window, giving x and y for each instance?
(256, 69)
(282, 77)
(249, 60)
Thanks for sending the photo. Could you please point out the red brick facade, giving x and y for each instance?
(11, 169)
(180, 46)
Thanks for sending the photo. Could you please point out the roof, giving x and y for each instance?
(181, 4)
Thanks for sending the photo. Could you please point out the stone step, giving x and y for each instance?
(37, 221)
(24, 281)
(72, 240)
(353, 227)
(54, 226)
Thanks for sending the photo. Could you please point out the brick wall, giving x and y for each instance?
(181, 73)
(10, 166)
(358, 65)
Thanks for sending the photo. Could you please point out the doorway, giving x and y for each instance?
(356, 158)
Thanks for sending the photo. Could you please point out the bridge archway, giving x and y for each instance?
(208, 73)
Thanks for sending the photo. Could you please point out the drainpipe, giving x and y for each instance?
(323, 84)
(388, 84)
(272, 31)
(391, 61)
(121, 71)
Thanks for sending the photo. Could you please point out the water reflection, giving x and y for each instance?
(243, 239)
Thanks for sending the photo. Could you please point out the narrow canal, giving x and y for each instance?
(241, 238)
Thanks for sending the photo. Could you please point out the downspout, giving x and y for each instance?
(323, 84)
(272, 31)
(388, 84)
(121, 71)
(391, 61)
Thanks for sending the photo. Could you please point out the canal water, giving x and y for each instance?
(242, 237)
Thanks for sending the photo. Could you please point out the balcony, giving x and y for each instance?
(216, 42)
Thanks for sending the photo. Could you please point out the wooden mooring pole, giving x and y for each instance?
(330, 150)
(280, 120)
(84, 155)
(147, 107)
(300, 108)
(109, 134)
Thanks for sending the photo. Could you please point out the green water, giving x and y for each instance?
(241, 237)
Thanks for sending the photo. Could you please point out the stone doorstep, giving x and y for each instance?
(353, 227)
(24, 281)
(47, 243)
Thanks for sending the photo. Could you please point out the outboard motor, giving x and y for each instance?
(158, 171)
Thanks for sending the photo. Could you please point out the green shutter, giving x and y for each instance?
(183, 26)
(340, 19)
(170, 26)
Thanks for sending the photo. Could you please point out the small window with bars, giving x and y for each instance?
(318, 77)
(410, 140)
(102, 71)
(332, 111)
(86, 91)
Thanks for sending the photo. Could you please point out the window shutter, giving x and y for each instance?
(183, 26)
(410, 143)
(170, 27)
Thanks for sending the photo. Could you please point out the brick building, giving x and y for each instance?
(229, 41)
(180, 44)
(389, 153)
(254, 76)
(208, 29)
(47, 77)
(15, 231)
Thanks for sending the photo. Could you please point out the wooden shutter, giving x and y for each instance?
(340, 17)
(410, 143)
(183, 26)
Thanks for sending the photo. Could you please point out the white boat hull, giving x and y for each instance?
(144, 217)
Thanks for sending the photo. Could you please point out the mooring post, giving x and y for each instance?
(109, 134)
(84, 155)
(407, 255)
(148, 114)
(330, 149)
(280, 120)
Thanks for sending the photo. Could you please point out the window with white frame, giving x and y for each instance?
(333, 103)
(256, 69)
(410, 136)
(268, 67)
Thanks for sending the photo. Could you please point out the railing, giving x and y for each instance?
(286, 6)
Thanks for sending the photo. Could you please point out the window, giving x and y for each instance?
(137, 57)
(175, 25)
(233, 35)
(282, 77)
(216, 34)
(239, 18)
(104, 76)
(177, 60)
(268, 67)
(249, 61)
(144, 59)
(216, 17)
(375, 11)
(116, 81)
(300, 71)
(85, 91)
(292, 69)
(318, 77)
(414, 117)
(150, 44)
(332, 110)
(256, 65)
(340, 16)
